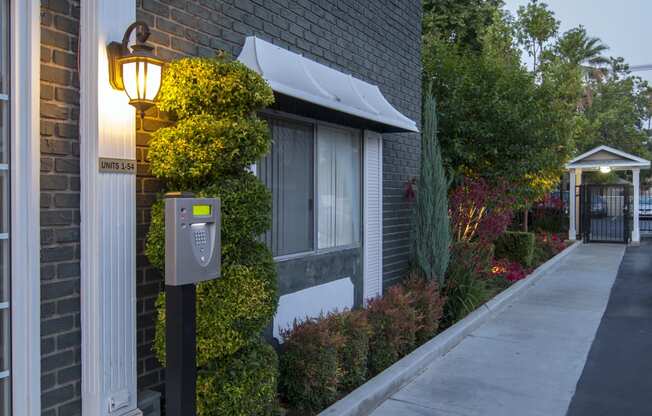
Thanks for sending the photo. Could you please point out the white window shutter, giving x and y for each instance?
(373, 215)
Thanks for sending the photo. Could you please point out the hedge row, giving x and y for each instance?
(327, 357)
(516, 246)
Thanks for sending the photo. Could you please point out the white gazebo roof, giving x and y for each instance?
(293, 75)
(605, 156)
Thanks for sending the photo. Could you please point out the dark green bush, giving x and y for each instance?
(242, 384)
(394, 324)
(429, 305)
(516, 246)
(310, 367)
(354, 329)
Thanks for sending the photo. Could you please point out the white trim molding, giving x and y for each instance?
(108, 220)
(25, 19)
(373, 216)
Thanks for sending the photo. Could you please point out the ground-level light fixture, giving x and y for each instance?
(605, 169)
(134, 68)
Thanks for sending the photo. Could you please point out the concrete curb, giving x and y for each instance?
(363, 400)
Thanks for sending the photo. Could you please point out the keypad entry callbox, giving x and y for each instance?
(192, 240)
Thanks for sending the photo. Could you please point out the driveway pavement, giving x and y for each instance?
(528, 360)
(617, 377)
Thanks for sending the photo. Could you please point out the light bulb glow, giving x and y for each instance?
(605, 169)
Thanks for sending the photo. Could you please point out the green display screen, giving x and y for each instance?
(201, 210)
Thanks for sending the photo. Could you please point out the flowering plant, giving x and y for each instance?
(480, 212)
(509, 270)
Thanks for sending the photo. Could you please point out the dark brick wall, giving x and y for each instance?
(60, 324)
(377, 41)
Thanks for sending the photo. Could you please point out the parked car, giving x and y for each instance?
(598, 205)
(645, 207)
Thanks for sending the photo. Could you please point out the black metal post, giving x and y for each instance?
(180, 333)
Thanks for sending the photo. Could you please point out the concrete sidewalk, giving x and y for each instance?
(527, 360)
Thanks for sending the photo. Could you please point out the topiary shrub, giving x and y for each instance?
(394, 324)
(428, 304)
(216, 137)
(199, 150)
(355, 331)
(310, 367)
(516, 246)
(224, 89)
(241, 384)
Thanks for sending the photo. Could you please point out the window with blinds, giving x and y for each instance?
(314, 173)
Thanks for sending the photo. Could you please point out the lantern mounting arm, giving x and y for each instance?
(117, 50)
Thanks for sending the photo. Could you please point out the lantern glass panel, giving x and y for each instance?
(129, 79)
(153, 82)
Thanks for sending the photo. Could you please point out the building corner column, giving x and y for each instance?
(108, 220)
(572, 228)
(636, 233)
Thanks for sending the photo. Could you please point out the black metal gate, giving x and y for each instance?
(605, 213)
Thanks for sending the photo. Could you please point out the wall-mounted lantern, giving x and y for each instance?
(134, 68)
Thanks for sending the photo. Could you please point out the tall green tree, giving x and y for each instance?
(431, 228)
(576, 47)
(460, 22)
(616, 108)
(495, 120)
(536, 26)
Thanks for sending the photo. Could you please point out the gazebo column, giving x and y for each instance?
(636, 233)
(573, 200)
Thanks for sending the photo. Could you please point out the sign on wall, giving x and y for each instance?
(110, 165)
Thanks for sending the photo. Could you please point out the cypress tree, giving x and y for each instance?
(431, 225)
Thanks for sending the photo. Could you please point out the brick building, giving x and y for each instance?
(77, 321)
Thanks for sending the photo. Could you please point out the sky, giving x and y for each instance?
(623, 25)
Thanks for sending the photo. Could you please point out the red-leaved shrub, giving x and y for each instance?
(428, 304)
(394, 324)
(511, 271)
(352, 353)
(309, 365)
(479, 211)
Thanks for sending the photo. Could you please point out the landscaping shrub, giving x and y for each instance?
(548, 215)
(546, 246)
(216, 137)
(465, 287)
(510, 271)
(394, 324)
(310, 367)
(431, 227)
(428, 304)
(480, 212)
(242, 384)
(355, 331)
(516, 246)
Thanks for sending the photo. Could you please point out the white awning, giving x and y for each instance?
(293, 75)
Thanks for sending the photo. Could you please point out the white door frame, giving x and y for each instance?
(25, 19)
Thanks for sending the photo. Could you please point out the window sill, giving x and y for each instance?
(313, 253)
